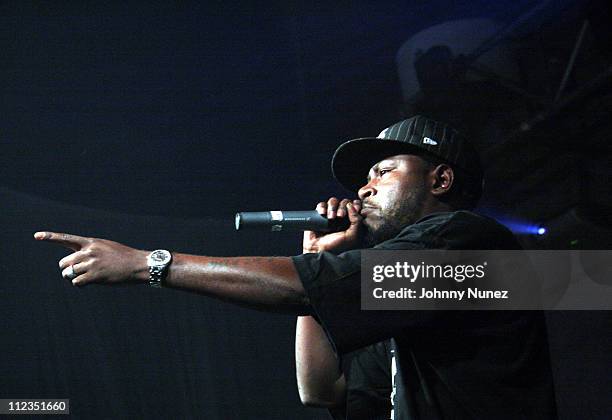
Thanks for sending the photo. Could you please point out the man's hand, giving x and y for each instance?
(98, 260)
(338, 241)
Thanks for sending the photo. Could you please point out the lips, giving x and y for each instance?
(366, 209)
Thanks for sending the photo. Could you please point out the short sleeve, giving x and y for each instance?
(333, 285)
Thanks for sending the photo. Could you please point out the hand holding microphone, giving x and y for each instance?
(280, 220)
(337, 242)
(334, 225)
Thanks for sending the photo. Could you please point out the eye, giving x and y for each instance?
(383, 171)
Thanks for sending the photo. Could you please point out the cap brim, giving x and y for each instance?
(353, 159)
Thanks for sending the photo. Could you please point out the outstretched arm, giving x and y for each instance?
(266, 283)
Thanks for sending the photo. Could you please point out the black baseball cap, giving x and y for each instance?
(417, 135)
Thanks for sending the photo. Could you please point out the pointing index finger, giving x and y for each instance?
(73, 242)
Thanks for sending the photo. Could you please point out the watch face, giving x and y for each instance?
(161, 256)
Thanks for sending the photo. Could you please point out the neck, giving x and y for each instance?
(435, 206)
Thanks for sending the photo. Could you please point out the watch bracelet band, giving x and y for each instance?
(156, 276)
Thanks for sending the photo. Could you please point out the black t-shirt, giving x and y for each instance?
(447, 364)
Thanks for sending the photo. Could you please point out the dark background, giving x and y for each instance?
(153, 123)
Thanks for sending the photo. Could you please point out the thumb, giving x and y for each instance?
(354, 217)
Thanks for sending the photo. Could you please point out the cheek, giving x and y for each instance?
(399, 195)
(388, 198)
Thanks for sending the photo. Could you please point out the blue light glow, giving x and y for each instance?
(516, 226)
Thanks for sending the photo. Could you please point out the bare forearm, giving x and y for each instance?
(320, 380)
(265, 283)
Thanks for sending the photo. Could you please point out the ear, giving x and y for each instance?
(442, 177)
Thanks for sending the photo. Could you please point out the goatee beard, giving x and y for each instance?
(395, 219)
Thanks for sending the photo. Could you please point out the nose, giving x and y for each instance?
(367, 190)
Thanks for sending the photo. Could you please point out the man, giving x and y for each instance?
(437, 364)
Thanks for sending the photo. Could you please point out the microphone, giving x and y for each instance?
(277, 221)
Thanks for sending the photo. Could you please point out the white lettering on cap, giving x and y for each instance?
(383, 134)
(427, 140)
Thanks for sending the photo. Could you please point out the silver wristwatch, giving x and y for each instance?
(158, 262)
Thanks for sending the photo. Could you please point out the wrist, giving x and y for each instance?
(158, 262)
(141, 269)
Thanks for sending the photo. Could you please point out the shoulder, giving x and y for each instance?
(456, 230)
(468, 220)
(474, 231)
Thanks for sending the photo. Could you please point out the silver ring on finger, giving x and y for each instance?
(70, 274)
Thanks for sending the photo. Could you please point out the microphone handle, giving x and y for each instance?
(277, 221)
